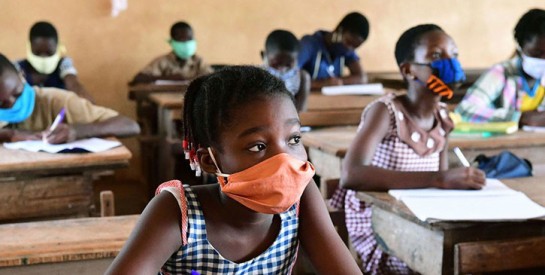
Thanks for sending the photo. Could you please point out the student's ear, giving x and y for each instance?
(205, 161)
(406, 70)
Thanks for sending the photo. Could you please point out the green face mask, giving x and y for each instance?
(183, 50)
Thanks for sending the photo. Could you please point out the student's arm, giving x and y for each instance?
(119, 126)
(357, 75)
(156, 236)
(72, 83)
(10, 135)
(358, 173)
(324, 247)
(146, 78)
(478, 103)
(304, 90)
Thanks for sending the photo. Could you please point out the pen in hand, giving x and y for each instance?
(58, 119)
(461, 157)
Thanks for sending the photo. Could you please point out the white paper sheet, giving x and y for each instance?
(488, 208)
(360, 89)
(170, 82)
(91, 145)
(493, 187)
(495, 201)
(538, 129)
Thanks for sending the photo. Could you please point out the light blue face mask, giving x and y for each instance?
(183, 50)
(22, 108)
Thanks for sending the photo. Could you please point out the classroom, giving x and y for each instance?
(137, 134)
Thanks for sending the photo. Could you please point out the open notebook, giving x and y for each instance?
(492, 203)
(79, 146)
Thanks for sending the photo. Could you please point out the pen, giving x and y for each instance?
(58, 119)
(461, 156)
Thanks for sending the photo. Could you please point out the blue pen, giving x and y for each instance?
(58, 119)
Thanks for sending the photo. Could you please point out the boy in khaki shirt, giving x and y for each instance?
(180, 64)
(27, 112)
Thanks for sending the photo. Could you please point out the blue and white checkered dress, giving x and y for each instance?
(197, 254)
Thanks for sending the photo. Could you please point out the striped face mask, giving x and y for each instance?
(444, 71)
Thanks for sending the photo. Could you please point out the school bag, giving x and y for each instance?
(505, 165)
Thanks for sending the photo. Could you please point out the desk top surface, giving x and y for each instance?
(17, 161)
(336, 140)
(143, 89)
(533, 187)
(63, 240)
(168, 100)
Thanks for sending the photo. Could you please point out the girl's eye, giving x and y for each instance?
(294, 140)
(436, 55)
(257, 147)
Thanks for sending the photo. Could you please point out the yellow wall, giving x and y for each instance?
(108, 51)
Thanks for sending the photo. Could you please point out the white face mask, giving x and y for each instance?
(534, 67)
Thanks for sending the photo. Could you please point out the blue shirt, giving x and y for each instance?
(313, 47)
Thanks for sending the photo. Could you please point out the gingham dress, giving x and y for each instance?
(395, 154)
(197, 254)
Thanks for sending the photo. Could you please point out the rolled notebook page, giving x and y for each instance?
(360, 89)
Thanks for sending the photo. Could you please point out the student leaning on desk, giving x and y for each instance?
(27, 112)
(402, 140)
(181, 64)
(325, 54)
(514, 89)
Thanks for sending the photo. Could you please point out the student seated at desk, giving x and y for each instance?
(514, 89)
(46, 65)
(325, 54)
(27, 112)
(265, 204)
(180, 64)
(280, 59)
(402, 141)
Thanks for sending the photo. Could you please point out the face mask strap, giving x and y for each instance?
(218, 171)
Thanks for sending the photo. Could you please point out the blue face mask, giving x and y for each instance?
(22, 108)
(449, 70)
(291, 78)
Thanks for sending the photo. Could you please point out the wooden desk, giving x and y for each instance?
(169, 109)
(73, 246)
(327, 147)
(43, 185)
(429, 247)
(145, 110)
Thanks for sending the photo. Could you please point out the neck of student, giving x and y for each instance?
(421, 102)
(328, 39)
(239, 215)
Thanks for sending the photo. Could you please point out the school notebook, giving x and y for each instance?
(495, 202)
(360, 89)
(90, 145)
(488, 127)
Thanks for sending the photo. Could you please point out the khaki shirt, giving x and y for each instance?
(169, 64)
(50, 101)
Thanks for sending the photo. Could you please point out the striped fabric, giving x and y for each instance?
(197, 254)
(497, 95)
(394, 154)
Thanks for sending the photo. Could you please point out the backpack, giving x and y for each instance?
(505, 165)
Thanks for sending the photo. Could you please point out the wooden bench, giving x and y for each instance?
(72, 246)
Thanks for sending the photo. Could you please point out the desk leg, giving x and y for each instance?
(327, 167)
(419, 247)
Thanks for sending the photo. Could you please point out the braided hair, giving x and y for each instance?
(210, 101)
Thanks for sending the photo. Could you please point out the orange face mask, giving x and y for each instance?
(271, 186)
(436, 85)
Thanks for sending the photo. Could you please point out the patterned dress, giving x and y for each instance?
(197, 254)
(406, 147)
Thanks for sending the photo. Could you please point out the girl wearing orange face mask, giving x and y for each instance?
(240, 124)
